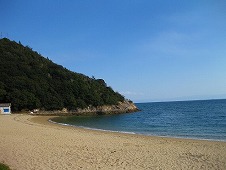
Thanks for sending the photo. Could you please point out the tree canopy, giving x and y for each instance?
(29, 81)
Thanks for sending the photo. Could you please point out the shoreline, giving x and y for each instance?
(131, 133)
(43, 120)
(32, 142)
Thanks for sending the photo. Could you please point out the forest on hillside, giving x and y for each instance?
(30, 81)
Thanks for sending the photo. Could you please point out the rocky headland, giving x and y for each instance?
(122, 107)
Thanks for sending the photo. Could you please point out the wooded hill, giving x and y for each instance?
(30, 81)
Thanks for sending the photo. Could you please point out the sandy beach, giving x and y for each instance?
(31, 142)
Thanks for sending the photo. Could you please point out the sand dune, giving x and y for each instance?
(29, 142)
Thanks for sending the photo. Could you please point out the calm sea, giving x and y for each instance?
(184, 119)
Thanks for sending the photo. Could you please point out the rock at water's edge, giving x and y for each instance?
(122, 107)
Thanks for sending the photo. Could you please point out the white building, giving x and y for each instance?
(5, 108)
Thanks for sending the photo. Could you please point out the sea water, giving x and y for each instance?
(204, 119)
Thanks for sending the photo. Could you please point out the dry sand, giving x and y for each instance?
(31, 142)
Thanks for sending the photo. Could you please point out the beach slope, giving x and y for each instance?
(31, 142)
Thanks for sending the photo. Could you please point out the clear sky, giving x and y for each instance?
(148, 50)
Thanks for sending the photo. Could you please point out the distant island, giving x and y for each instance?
(31, 82)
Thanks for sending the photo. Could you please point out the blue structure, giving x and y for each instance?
(5, 108)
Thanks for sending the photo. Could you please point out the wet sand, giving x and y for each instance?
(31, 142)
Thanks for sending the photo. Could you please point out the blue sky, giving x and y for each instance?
(147, 50)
